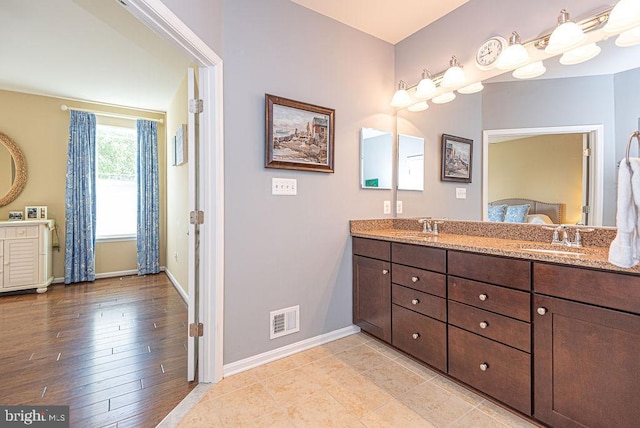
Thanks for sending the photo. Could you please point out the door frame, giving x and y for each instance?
(596, 187)
(159, 18)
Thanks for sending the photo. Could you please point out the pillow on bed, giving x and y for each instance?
(538, 219)
(516, 213)
(497, 212)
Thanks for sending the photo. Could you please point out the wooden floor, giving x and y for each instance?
(113, 350)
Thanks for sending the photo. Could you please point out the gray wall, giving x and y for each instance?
(283, 251)
(460, 33)
(627, 108)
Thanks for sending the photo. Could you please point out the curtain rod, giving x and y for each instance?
(64, 107)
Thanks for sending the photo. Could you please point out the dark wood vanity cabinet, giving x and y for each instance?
(489, 326)
(419, 306)
(372, 287)
(586, 357)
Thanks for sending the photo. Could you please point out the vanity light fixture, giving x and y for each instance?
(401, 98)
(581, 54)
(444, 98)
(530, 71)
(471, 89)
(629, 38)
(514, 56)
(454, 76)
(426, 87)
(624, 16)
(421, 106)
(566, 36)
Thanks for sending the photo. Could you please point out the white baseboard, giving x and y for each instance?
(109, 275)
(177, 286)
(285, 351)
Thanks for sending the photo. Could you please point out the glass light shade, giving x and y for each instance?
(472, 89)
(530, 71)
(581, 54)
(401, 98)
(624, 16)
(514, 56)
(454, 76)
(421, 106)
(444, 98)
(629, 38)
(426, 88)
(566, 36)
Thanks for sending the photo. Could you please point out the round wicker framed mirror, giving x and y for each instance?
(18, 170)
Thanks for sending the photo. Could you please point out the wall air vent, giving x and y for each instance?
(284, 321)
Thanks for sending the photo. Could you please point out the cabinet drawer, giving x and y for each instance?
(612, 290)
(423, 280)
(420, 336)
(418, 301)
(21, 232)
(497, 327)
(504, 301)
(495, 270)
(421, 257)
(372, 248)
(495, 369)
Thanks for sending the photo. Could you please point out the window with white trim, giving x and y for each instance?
(116, 185)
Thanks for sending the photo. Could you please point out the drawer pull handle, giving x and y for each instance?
(484, 367)
(484, 324)
(415, 301)
(415, 335)
(385, 271)
(542, 311)
(483, 297)
(415, 279)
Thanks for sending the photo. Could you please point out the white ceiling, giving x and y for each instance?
(389, 20)
(91, 50)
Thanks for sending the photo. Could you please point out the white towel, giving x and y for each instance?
(625, 248)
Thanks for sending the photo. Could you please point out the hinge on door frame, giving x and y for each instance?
(586, 209)
(196, 106)
(196, 329)
(196, 217)
(586, 153)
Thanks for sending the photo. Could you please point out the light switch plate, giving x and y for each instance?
(398, 207)
(387, 207)
(284, 186)
(461, 193)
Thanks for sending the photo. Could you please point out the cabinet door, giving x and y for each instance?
(372, 296)
(20, 262)
(586, 365)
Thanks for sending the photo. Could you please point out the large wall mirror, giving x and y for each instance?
(596, 100)
(376, 159)
(13, 170)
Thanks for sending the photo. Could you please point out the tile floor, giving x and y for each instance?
(352, 382)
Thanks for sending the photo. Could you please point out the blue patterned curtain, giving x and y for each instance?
(80, 199)
(148, 198)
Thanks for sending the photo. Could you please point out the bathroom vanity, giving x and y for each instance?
(25, 255)
(553, 335)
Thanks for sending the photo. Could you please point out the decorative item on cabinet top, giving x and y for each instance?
(35, 212)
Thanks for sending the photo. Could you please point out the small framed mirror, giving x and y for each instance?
(376, 159)
(410, 162)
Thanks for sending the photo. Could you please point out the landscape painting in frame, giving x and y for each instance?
(298, 135)
(456, 159)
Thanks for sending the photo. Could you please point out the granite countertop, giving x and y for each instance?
(521, 246)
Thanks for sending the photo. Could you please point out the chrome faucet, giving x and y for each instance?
(426, 225)
(566, 239)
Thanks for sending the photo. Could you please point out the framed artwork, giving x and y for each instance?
(35, 213)
(16, 215)
(180, 146)
(298, 135)
(456, 159)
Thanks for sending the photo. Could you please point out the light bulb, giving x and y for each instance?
(566, 36)
(454, 76)
(581, 54)
(444, 98)
(426, 87)
(421, 106)
(629, 38)
(401, 98)
(471, 89)
(530, 71)
(514, 56)
(624, 16)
